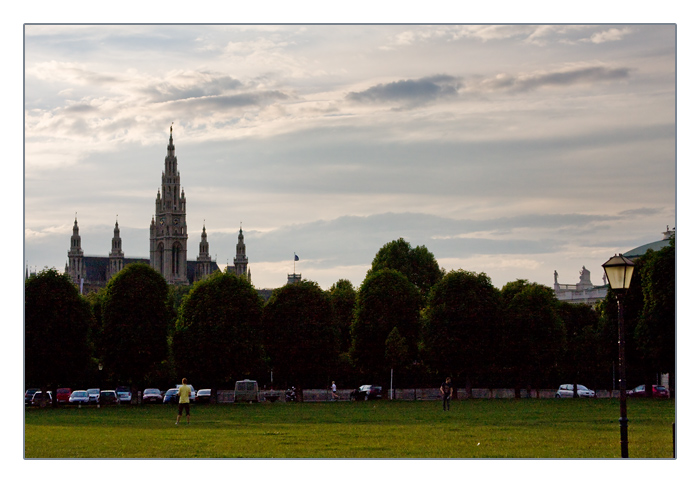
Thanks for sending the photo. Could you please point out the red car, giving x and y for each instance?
(656, 391)
(63, 394)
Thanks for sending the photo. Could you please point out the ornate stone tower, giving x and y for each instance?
(241, 261)
(116, 256)
(169, 227)
(76, 268)
(203, 260)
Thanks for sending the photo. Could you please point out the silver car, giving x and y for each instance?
(79, 397)
(94, 395)
(567, 390)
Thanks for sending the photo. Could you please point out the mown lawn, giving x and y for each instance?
(527, 428)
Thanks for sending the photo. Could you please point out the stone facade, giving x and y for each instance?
(584, 292)
(168, 242)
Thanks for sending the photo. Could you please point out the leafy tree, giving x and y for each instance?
(417, 264)
(655, 333)
(176, 295)
(461, 322)
(300, 339)
(135, 319)
(636, 368)
(95, 301)
(582, 354)
(217, 334)
(342, 297)
(532, 333)
(387, 300)
(397, 349)
(56, 322)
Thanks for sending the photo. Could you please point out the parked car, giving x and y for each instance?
(171, 396)
(656, 391)
(203, 396)
(108, 397)
(41, 398)
(28, 394)
(94, 395)
(567, 390)
(124, 394)
(152, 395)
(79, 397)
(63, 394)
(366, 393)
(246, 391)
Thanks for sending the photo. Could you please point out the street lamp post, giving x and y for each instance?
(99, 367)
(618, 271)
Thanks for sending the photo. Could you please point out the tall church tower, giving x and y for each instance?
(116, 256)
(76, 268)
(169, 227)
(203, 260)
(240, 263)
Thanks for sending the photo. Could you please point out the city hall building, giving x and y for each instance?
(168, 242)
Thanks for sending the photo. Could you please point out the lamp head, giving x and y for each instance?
(619, 271)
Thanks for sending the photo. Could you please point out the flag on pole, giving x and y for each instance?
(296, 257)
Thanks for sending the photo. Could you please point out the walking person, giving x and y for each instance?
(184, 402)
(446, 391)
(334, 391)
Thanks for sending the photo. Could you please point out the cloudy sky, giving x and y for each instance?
(513, 150)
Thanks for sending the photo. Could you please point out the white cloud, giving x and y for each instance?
(527, 122)
(610, 35)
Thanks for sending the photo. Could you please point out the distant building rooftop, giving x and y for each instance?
(657, 245)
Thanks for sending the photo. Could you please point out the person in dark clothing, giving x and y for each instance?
(446, 391)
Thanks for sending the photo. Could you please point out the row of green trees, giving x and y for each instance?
(408, 317)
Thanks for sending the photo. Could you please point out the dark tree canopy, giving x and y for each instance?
(342, 296)
(462, 318)
(656, 331)
(135, 320)
(300, 338)
(417, 264)
(386, 300)
(581, 362)
(56, 324)
(217, 336)
(636, 370)
(532, 333)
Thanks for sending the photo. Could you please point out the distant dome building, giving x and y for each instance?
(657, 245)
(584, 292)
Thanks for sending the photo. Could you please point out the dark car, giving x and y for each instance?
(656, 391)
(108, 397)
(171, 396)
(63, 394)
(203, 396)
(152, 395)
(28, 394)
(366, 393)
(41, 398)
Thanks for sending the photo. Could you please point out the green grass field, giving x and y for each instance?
(527, 428)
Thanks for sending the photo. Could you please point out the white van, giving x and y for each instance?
(246, 391)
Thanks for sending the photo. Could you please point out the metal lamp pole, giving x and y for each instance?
(618, 271)
(623, 378)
